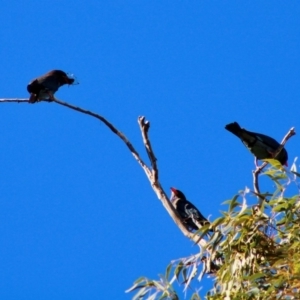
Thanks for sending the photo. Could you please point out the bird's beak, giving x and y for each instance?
(173, 190)
(71, 79)
(172, 193)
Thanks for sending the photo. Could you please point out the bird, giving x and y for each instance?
(262, 146)
(189, 213)
(45, 86)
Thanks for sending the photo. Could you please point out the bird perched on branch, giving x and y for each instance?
(45, 86)
(191, 216)
(262, 146)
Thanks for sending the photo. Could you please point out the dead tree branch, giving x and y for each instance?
(152, 174)
(14, 100)
(144, 126)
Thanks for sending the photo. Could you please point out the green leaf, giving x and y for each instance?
(230, 200)
(169, 267)
(270, 172)
(184, 274)
(281, 207)
(195, 296)
(233, 203)
(135, 287)
(178, 270)
(255, 276)
(163, 296)
(274, 163)
(218, 221)
(141, 293)
(158, 285)
(140, 280)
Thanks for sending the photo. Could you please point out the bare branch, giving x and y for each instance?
(144, 126)
(152, 177)
(156, 186)
(258, 170)
(113, 129)
(14, 100)
(151, 174)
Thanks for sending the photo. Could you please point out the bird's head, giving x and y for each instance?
(176, 194)
(72, 79)
(63, 77)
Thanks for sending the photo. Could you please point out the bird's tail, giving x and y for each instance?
(234, 128)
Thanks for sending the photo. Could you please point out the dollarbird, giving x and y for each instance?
(45, 86)
(189, 213)
(262, 146)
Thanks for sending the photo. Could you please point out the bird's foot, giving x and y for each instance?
(51, 96)
(32, 98)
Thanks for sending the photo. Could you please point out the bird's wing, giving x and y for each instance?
(194, 213)
(248, 138)
(264, 141)
(269, 142)
(49, 83)
(180, 207)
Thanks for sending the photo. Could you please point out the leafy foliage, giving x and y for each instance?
(253, 253)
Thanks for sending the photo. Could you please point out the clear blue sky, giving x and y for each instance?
(78, 217)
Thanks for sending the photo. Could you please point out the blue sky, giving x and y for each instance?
(78, 217)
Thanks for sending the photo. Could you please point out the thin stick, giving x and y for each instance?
(144, 126)
(157, 188)
(18, 100)
(151, 174)
(112, 128)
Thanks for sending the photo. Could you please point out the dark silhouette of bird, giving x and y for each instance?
(45, 86)
(262, 146)
(189, 213)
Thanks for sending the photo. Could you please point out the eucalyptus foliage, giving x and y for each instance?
(254, 252)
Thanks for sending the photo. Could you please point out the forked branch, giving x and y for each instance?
(258, 170)
(151, 173)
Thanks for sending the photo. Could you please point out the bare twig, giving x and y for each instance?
(18, 100)
(152, 175)
(156, 186)
(113, 129)
(258, 170)
(144, 126)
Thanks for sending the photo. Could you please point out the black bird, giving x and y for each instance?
(262, 146)
(191, 216)
(45, 86)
